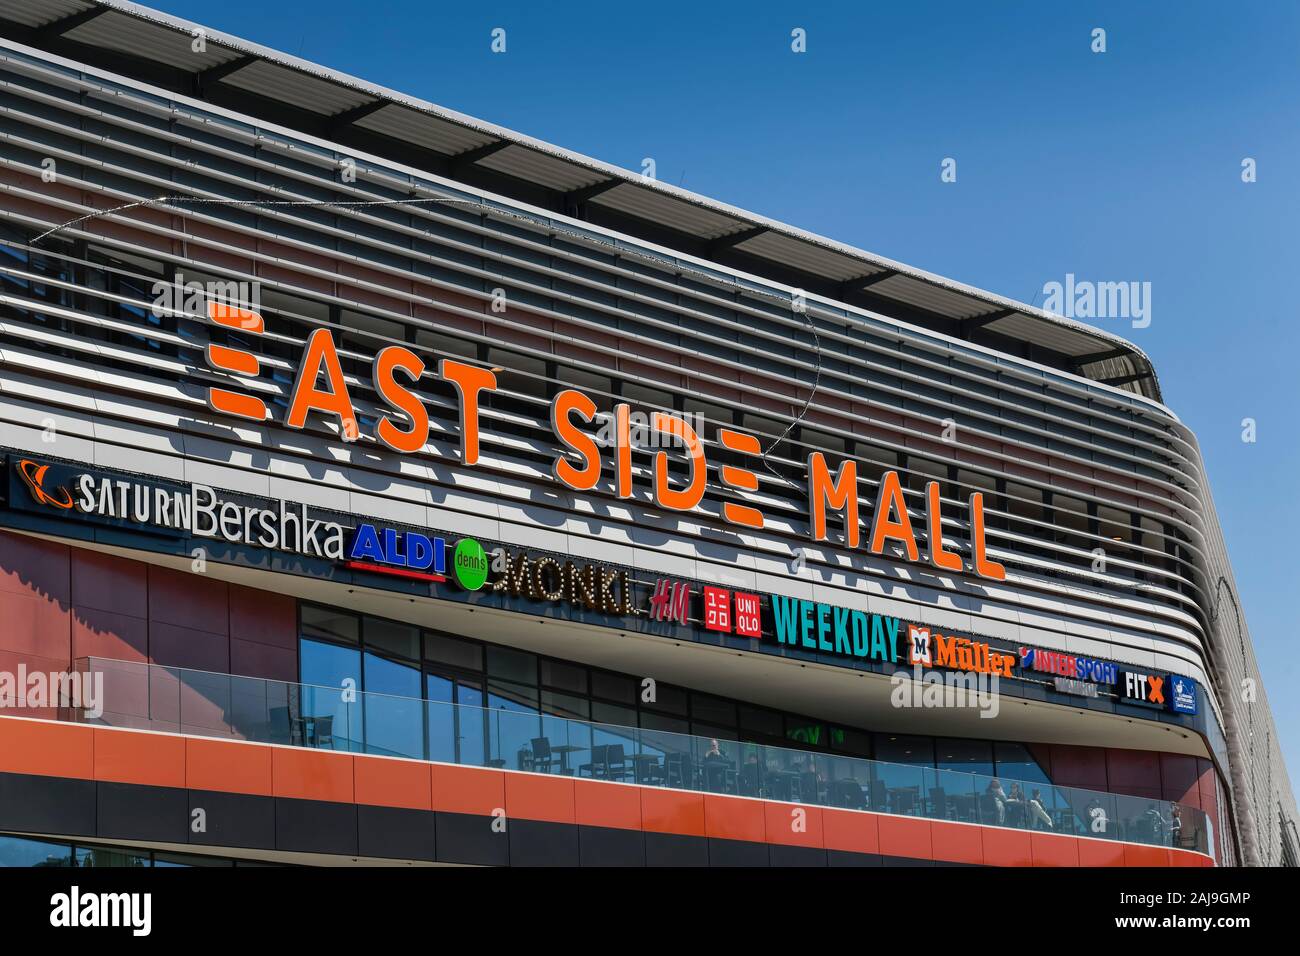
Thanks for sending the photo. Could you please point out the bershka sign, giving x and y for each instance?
(320, 389)
(200, 511)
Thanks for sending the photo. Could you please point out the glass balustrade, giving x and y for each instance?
(201, 703)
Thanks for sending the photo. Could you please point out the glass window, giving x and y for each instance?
(1015, 762)
(603, 713)
(330, 625)
(564, 676)
(21, 851)
(512, 665)
(101, 856)
(969, 756)
(614, 687)
(905, 749)
(758, 720)
(471, 725)
(565, 705)
(394, 722)
(713, 710)
(326, 718)
(856, 743)
(668, 699)
(805, 733)
(400, 640)
(189, 859)
(452, 650)
(440, 718)
(674, 725)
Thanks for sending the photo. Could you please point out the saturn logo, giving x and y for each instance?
(34, 476)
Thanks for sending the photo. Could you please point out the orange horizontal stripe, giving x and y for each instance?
(83, 752)
(739, 441)
(742, 515)
(232, 360)
(232, 403)
(233, 317)
(741, 478)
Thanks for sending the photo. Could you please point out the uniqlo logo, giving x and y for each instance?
(717, 609)
(748, 621)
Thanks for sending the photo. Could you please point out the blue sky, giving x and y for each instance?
(1117, 166)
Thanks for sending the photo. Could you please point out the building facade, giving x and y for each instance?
(384, 485)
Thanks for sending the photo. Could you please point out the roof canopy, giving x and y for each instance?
(154, 47)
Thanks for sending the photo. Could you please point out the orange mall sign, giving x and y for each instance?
(320, 387)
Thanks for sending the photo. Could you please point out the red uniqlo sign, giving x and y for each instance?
(748, 620)
(717, 609)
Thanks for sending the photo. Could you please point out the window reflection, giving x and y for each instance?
(447, 698)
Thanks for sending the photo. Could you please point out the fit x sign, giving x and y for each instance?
(1142, 688)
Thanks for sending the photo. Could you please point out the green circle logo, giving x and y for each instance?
(469, 563)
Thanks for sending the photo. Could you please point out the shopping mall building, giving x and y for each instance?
(382, 485)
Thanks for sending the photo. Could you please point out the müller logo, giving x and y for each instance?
(581, 429)
(33, 475)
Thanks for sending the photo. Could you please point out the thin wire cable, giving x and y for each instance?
(353, 204)
(200, 201)
(817, 380)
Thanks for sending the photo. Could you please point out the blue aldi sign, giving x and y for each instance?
(1182, 694)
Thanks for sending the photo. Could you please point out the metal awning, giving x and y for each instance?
(123, 29)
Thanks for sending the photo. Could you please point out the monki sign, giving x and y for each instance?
(580, 464)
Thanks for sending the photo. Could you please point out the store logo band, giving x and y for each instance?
(33, 475)
(320, 387)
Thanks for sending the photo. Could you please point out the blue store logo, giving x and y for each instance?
(1182, 697)
(404, 553)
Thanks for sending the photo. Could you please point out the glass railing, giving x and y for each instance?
(201, 703)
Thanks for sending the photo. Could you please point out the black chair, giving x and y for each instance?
(749, 781)
(810, 788)
(1017, 813)
(905, 801)
(879, 795)
(599, 765)
(848, 794)
(988, 809)
(782, 787)
(650, 771)
(281, 726)
(939, 808)
(322, 733)
(544, 760)
(715, 774)
(679, 771)
(616, 767)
